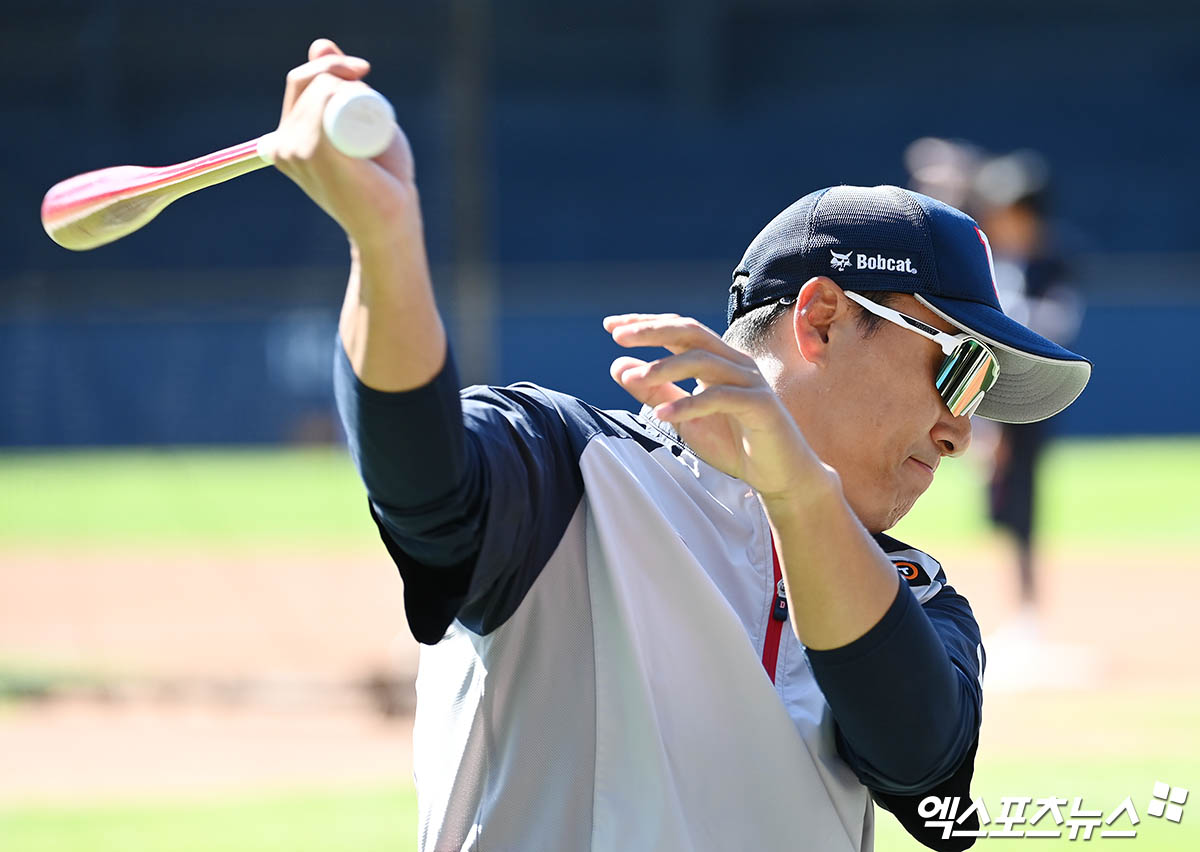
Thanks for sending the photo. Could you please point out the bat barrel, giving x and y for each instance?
(95, 208)
(92, 209)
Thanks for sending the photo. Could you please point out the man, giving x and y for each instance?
(604, 596)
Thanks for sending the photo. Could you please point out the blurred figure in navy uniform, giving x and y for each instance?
(1034, 277)
(945, 169)
(1010, 197)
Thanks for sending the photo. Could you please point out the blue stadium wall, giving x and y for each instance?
(263, 380)
(621, 139)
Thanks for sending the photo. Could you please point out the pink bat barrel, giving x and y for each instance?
(95, 208)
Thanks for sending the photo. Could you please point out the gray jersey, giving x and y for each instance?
(612, 673)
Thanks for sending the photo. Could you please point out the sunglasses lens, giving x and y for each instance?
(965, 376)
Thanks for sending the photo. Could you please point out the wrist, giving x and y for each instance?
(391, 233)
(806, 495)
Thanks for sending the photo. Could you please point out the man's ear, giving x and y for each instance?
(817, 306)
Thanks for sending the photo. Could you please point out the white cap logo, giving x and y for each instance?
(874, 263)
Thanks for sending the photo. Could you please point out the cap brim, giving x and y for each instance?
(1038, 378)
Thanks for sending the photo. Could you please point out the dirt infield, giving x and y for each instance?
(297, 631)
(205, 613)
(73, 750)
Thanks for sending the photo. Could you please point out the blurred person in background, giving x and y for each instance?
(945, 169)
(1034, 279)
(1010, 196)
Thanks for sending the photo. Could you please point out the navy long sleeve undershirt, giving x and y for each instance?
(432, 479)
(882, 686)
(410, 448)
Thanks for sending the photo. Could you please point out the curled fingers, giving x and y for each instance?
(673, 332)
(720, 399)
(302, 76)
(705, 367)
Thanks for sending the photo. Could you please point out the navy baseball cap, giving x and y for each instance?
(885, 238)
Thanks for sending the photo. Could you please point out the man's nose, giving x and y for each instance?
(952, 434)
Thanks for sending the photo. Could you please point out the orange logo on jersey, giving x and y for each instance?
(908, 570)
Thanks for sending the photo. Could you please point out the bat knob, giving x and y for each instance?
(359, 122)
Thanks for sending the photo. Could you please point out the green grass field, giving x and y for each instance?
(1103, 493)
(1098, 491)
(361, 820)
(384, 820)
(149, 497)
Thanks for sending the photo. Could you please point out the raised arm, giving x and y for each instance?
(471, 495)
(390, 326)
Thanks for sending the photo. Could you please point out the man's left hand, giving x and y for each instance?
(733, 419)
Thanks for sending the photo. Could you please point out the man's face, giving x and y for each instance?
(870, 410)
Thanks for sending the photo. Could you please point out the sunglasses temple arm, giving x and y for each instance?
(948, 342)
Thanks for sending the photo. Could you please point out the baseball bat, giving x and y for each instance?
(96, 208)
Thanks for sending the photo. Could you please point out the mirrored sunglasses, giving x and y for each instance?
(969, 369)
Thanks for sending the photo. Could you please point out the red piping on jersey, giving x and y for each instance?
(774, 626)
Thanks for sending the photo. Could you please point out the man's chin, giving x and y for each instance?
(880, 515)
(894, 515)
